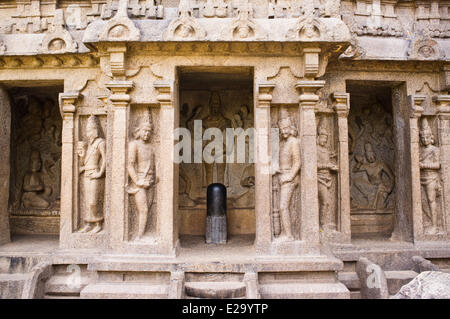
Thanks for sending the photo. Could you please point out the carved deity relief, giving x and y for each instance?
(326, 166)
(141, 172)
(217, 109)
(36, 156)
(430, 178)
(371, 153)
(286, 180)
(92, 153)
(35, 193)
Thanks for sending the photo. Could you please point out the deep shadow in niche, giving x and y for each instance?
(221, 98)
(372, 160)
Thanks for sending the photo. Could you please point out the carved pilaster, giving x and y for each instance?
(342, 108)
(262, 167)
(67, 105)
(308, 100)
(443, 112)
(120, 100)
(5, 169)
(416, 112)
(168, 174)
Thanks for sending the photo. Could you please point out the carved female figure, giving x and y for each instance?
(94, 166)
(429, 175)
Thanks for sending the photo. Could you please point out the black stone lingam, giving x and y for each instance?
(216, 214)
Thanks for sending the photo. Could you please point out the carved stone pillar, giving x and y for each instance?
(416, 112)
(308, 100)
(342, 107)
(168, 176)
(263, 175)
(68, 108)
(120, 100)
(5, 134)
(443, 112)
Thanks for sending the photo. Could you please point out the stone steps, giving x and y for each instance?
(303, 290)
(125, 290)
(395, 280)
(215, 289)
(61, 297)
(11, 285)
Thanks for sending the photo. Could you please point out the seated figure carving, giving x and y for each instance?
(35, 193)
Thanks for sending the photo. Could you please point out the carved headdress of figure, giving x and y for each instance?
(285, 121)
(323, 127)
(145, 122)
(426, 130)
(93, 123)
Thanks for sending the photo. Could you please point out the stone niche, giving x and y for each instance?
(35, 176)
(290, 115)
(143, 117)
(372, 159)
(220, 98)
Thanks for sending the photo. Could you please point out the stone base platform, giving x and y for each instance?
(195, 273)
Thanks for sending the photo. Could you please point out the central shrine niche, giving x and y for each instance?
(372, 163)
(221, 101)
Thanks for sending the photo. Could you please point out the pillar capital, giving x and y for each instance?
(119, 90)
(342, 103)
(308, 93)
(443, 105)
(265, 94)
(416, 102)
(67, 102)
(164, 96)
